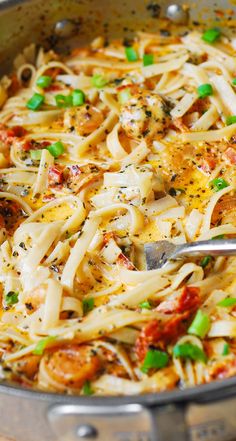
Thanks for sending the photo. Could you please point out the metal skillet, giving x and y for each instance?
(205, 413)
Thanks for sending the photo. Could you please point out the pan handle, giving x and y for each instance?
(169, 423)
(130, 422)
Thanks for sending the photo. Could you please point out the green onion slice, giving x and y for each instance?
(35, 102)
(218, 184)
(78, 97)
(188, 350)
(56, 149)
(205, 90)
(44, 81)
(225, 349)
(148, 59)
(211, 35)
(63, 100)
(88, 305)
(228, 302)
(231, 120)
(220, 236)
(36, 154)
(98, 81)
(200, 325)
(42, 345)
(11, 298)
(87, 389)
(154, 359)
(124, 96)
(131, 54)
(145, 305)
(205, 261)
(234, 81)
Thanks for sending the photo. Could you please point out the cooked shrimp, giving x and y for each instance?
(145, 115)
(72, 365)
(28, 366)
(84, 119)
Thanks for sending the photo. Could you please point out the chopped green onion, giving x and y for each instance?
(231, 120)
(234, 81)
(87, 389)
(148, 59)
(98, 81)
(35, 102)
(124, 96)
(154, 359)
(145, 305)
(218, 184)
(211, 35)
(188, 350)
(220, 236)
(11, 298)
(44, 81)
(63, 100)
(200, 325)
(42, 344)
(228, 302)
(78, 97)
(205, 90)
(204, 262)
(131, 54)
(56, 149)
(88, 305)
(36, 154)
(225, 349)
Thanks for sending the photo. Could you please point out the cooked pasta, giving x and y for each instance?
(101, 151)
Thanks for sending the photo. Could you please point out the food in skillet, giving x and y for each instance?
(102, 151)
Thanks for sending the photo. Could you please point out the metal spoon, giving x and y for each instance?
(158, 253)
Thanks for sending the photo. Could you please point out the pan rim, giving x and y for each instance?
(218, 390)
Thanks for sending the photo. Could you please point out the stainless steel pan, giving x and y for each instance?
(205, 413)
